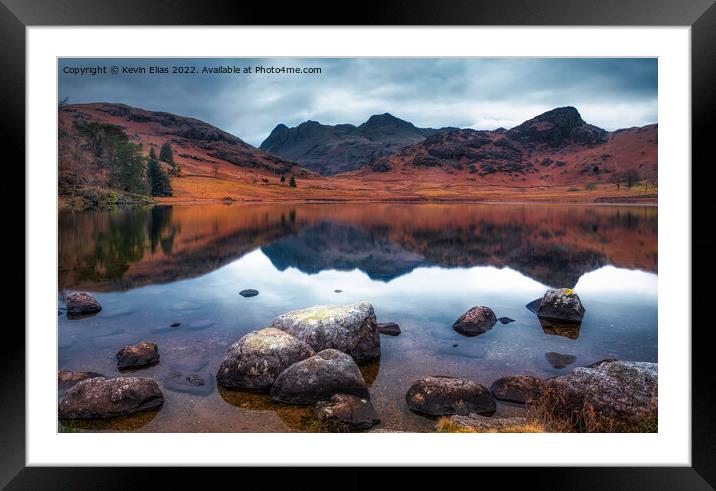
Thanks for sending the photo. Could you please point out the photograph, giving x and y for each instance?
(361, 244)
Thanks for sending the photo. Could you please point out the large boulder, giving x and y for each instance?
(517, 388)
(255, 360)
(106, 398)
(560, 304)
(344, 412)
(81, 303)
(351, 329)
(137, 355)
(66, 379)
(618, 394)
(318, 378)
(444, 396)
(475, 321)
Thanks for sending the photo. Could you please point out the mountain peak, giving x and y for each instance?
(385, 119)
(558, 127)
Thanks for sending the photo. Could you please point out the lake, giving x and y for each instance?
(420, 265)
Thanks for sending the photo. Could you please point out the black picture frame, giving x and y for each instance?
(700, 15)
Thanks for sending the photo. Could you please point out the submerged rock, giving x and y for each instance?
(620, 391)
(137, 355)
(517, 388)
(484, 424)
(389, 329)
(475, 321)
(66, 379)
(560, 304)
(255, 360)
(505, 320)
(444, 396)
(351, 329)
(175, 324)
(189, 382)
(558, 360)
(81, 303)
(106, 398)
(249, 293)
(318, 378)
(346, 412)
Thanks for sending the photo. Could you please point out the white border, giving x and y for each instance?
(671, 446)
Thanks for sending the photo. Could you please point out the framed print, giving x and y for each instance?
(314, 245)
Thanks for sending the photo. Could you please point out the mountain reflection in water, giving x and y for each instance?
(555, 245)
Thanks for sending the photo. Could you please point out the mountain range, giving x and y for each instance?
(385, 158)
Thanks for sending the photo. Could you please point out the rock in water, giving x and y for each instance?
(558, 360)
(66, 379)
(105, 398)
(517, 388)
(444, 396)
(389, 329)
(505, 320)
(318, 378)
(621, 391)
(189, 382)
(81, 303)
(346, 412)
(475, 321)
(249, 293)
(351, 329)
(561, 304)
(137, 355)
(255, 360)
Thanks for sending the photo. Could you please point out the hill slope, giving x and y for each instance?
(344, 147)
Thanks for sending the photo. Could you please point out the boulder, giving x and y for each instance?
(389, 329)
(616, 391)
(560, 304)
(106, 398)
(318, 378)
(351, 329)
(480, 423)
(255, 360)
(445, 396)
(558, 360)
(475, 321)
(137, 355)
(81, 303)
(249, 293)
(66, 379)
(517, 388)
(346, 412)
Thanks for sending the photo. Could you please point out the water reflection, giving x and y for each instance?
(555, 245)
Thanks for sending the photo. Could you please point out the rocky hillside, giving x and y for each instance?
(87, 131)
(557, 147)
(344, 147)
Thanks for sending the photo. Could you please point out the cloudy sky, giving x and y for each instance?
(479, 93)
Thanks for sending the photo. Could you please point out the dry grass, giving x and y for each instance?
(444, 425)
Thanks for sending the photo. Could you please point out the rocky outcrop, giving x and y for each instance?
(66, 379)
(137, 355)
(318, 378)
(351, 329)
(106, 398)
(81, 303)
(444, 396)
(475, 321)
(344, 412)
(559, 304)
(608, 394)
(255, 360)
(389, 329)
(517, 388)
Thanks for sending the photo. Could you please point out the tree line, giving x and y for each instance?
(127, 167)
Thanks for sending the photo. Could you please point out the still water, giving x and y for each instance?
(421, 266)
